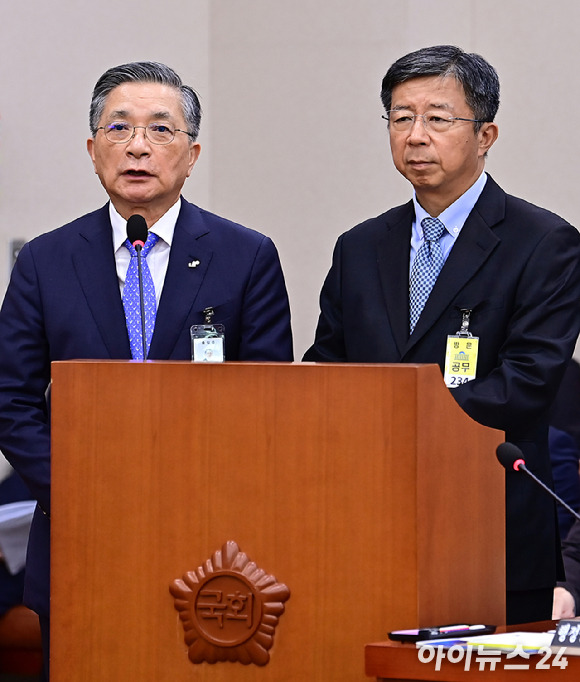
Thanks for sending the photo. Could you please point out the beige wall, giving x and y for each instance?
(293, 143)
(51, 54)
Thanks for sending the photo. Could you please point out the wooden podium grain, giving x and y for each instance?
(363, 488)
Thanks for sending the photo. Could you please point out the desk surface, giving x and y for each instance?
(396, 661)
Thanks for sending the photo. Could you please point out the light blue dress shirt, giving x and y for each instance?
(453, 217)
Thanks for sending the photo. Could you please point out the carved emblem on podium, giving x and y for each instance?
(229, 608)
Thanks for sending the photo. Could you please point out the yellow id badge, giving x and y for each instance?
(460, 360)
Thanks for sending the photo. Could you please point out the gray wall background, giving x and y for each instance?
(293, 143)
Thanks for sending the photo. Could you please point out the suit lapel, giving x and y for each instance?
(94, 264)
(471, 250)
(393, 250)
(182, 281)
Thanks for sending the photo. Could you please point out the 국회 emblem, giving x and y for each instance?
(229, 608)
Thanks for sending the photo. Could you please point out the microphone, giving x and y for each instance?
(137, 231)
(510, 456)
(137, 234)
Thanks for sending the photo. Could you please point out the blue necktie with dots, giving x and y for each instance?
(426, 268)
(131, 299)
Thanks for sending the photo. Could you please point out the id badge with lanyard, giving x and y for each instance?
(461, 354)
(208, 340)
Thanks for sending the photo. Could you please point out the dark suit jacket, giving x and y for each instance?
(565, 461)
(12, 489)
(571, 554)
(517, 267)
(63, 302)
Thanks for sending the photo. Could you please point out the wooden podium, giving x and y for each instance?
(362, 489)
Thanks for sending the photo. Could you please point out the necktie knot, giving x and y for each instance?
(433, 229)
(152, 239)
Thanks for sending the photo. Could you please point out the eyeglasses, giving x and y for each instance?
(120, 132)
(402, 121)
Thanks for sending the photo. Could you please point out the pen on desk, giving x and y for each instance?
(453, 628)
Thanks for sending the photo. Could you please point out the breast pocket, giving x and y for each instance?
(477, 307)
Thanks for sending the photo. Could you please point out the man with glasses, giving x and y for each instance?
(464, 263)
(68, 293)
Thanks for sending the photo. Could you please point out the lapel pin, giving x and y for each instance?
(193, 264)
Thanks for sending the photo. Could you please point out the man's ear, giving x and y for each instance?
(194, 152)
(91, 151)
(488, 134)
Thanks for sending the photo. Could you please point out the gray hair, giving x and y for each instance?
(478, 78)
(145, 72)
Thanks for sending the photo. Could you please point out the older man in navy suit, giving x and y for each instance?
(464, 258)
(65, 300)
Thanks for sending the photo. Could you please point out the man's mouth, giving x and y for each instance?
(137, 173)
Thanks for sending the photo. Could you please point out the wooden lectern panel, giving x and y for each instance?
(362, 488)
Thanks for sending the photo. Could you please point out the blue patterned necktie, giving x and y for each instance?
(131, 299)
(426, 268)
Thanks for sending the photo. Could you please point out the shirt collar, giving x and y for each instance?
(454, 216)
(163, 228)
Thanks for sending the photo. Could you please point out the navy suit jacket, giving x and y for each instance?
(571, 553)
(12, 489)
(63, 302)
(517, 267)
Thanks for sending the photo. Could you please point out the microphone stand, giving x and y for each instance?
(511, 457)
(520, 465)
(138, 249)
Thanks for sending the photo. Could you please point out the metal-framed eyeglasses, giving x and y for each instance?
(120, 132)
(401, 121)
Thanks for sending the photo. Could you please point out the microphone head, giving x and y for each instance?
(510, 456)
(137, 230)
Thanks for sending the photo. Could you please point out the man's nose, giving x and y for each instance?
(139, 143)
(418, 131)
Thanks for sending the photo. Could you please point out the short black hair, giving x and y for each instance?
(478, 78)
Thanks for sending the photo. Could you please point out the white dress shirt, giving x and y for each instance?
(158, 257)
